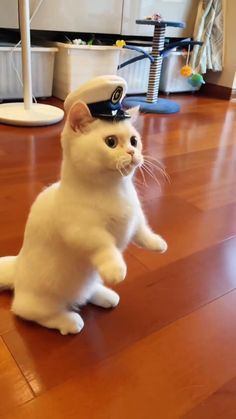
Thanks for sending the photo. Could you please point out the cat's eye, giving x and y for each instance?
(111, 141)
(133, 141)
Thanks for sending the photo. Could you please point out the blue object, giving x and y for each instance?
(138, 58)
(160, 106)
(106, 109)
(138, 49)
(185, 42)
(164, 52)
(109, 109)
(162, 23)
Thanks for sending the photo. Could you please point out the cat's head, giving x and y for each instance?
(96, 146)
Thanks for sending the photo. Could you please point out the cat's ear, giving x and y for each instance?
(134, 113)
(79, 116)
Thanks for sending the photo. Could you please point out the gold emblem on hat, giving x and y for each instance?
(117, 94)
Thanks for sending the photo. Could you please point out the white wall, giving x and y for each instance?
(228, 76)
(104, 16)
(173, 10)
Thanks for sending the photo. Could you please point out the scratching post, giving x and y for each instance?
(151, 103)
(155, 69)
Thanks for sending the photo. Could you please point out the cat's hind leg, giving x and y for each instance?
(47, 313)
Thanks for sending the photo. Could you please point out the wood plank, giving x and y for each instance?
(11, 245)
(197, 160)
(221, 404)
(45, 172)
(210, 189)
(215, 182)
(7, 320)
(15, 202)
(148, 304)
(191, 232)
(14, 389)
(162, 376)
(117, 366)
(172, 142)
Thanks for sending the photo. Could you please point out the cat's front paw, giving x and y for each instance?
(73, 323)
(113, 272)
(157, 243)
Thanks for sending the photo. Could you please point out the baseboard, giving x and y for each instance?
(216, 91)
(233, 94)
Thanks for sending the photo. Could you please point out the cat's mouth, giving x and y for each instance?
(125, 167)
(135, 161)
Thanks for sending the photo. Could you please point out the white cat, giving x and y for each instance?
(78, 228)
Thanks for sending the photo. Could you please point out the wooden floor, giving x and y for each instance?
(169, 349)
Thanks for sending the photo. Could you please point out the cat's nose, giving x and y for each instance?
(131, 152)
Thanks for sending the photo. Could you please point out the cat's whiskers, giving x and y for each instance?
(121, 164)
(119, 169)
(154, 159)
(138, 183)
(124, 159)
(155, 164)
(151, 174)
(143, 176)
(161, 171)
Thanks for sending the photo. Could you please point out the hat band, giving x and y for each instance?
(103, 106)
(107, 110)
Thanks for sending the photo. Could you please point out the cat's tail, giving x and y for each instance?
(7, 270)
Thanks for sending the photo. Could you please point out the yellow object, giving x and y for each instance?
(120, 43)
(186, 71)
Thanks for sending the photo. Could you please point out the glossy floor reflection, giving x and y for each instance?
(168, 350)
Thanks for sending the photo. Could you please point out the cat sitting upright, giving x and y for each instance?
(78, 228)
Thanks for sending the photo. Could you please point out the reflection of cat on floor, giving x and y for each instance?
(78, 228)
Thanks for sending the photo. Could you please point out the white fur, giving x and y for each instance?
(78, 228)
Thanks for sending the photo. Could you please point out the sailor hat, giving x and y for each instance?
(103, 96)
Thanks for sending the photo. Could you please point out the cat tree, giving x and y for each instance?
(152, 103)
